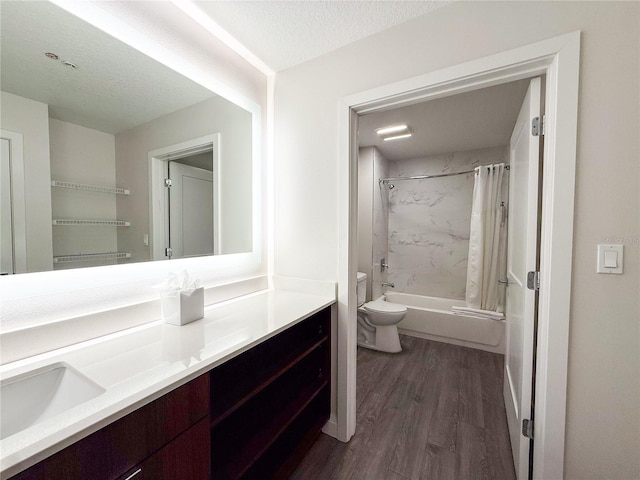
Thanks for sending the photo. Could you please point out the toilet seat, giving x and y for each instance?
(378, 306)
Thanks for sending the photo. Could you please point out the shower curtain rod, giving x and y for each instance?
(421, 177)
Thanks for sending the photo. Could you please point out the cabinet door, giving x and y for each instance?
(107, 453)
(186, 458)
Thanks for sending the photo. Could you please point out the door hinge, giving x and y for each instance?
(168, 252)
(527, 428)
(168, 183)
(533, 281)
(537, 126)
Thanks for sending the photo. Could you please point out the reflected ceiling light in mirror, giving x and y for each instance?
(397, 137)
(391, 129)
(394, 132)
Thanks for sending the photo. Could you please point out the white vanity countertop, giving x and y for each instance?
(141, 364)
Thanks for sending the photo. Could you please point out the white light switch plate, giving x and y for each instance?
(612, 250)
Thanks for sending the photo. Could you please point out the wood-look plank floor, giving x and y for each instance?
(434, 411)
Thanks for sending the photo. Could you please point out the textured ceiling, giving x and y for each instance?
(285, 33)
(114, 88)
(478, 119)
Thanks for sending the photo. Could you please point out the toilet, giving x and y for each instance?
(377, 321)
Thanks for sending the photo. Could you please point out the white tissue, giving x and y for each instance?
(181, 298)
(175, 284)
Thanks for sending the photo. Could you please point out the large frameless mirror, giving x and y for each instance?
(110, 157)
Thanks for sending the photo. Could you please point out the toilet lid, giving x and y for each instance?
(384, 307)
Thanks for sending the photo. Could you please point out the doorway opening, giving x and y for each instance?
(185, 199)
(433, 232)
(557, 59)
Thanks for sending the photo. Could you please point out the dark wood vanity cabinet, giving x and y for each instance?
(185, 458)
(269, 404)
(121, 448)
(253, 417)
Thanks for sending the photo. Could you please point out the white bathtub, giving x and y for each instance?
(431, 317)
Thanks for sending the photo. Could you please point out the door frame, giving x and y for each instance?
(18, 208)
(158, 205)
(557, 58)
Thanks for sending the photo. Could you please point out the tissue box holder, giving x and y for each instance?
(180, 309)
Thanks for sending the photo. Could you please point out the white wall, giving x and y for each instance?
(365, 214)
(603, 418)
(373, 219)
(86, 156)
(31, 119)
(216, 115)
(380, 241)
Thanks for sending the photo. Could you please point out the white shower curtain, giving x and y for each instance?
(487, 240)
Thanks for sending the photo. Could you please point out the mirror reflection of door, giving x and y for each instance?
(6, 222)
(185, 217)
(190, 222)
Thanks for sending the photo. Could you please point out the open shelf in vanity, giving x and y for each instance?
(268, 400)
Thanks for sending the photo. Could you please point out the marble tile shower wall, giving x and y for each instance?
(429, 222)
(380, 226)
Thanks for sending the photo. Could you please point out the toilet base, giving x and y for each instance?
(384, 339)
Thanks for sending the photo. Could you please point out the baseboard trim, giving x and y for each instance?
(331, 427)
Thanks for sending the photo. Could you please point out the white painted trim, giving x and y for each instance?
(331, 427)
(558, 59)
(18, 208)
(347, 261)
(157, 192)
(556, 256)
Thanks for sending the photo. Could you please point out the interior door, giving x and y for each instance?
(191, 211)
(522, 258)
(6, 221)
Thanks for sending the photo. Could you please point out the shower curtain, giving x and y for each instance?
(487, 240)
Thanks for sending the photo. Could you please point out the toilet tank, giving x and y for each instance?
(362, 288)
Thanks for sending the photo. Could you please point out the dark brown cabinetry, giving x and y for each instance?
(185, 458)
(253, 417)
(269, 404)
(114, 451)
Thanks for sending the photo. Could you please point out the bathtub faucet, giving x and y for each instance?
(388, 284)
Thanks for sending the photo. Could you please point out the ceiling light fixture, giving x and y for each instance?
(397, 137)
(391, 129)
(52, 56)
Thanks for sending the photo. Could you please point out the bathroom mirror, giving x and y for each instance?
(92, 128)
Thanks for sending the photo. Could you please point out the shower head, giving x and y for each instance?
(391, 186)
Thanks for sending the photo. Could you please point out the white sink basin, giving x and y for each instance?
(32, 397)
